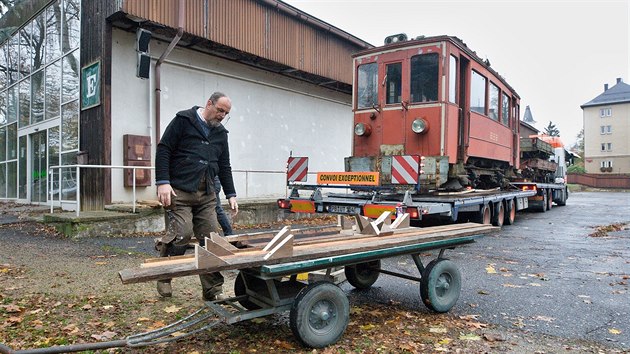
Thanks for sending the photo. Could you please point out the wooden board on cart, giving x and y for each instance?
(219, 255)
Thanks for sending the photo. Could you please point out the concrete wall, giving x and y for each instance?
(271, 115)
(619, 137)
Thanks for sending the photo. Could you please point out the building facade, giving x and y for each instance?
(607, 131)
(97, 82)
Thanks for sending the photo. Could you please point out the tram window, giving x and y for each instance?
(393, 83)
(367, 83)
(452, 80)
(478, 93)
(493, 112)
(424, 78)
(505, 109)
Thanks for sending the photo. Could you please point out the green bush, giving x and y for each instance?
(576, 169)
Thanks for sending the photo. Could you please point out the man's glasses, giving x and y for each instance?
(221, 110)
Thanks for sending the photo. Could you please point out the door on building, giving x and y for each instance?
(39, 168)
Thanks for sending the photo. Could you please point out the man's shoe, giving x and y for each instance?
(164, 288)
(213, 297)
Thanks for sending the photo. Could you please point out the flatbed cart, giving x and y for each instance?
(319, 312)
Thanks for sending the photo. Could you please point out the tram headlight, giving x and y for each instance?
(362, 129)
(419, 126)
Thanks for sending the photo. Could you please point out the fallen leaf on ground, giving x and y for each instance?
(438, 330)
(490, 270)
(104, 336)
(11, 308)
(614, 331)
(493, 337)
(367, 327)
(469, 336)
(172, 309)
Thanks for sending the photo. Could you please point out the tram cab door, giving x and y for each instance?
(464, 109)
(393, 92)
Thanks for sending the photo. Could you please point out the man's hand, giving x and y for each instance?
(164, 192)
(233, 205)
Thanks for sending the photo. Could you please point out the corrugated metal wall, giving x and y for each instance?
(253, 27)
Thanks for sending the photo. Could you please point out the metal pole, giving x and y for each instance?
(50, 191)
(59, 177)
(78, 196)
(246, 184)
(134, 189)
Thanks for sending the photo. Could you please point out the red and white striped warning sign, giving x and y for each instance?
(405, 169)
(297, 169)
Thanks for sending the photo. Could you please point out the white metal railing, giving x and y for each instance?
(77, 178)
(78, 182)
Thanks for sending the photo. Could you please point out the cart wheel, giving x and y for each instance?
(510, 216)
(499, 214)
(241, 289)
(440, 285)
(363, 275)
(319, 314)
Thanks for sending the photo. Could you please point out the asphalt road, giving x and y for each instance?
(544, 274)
(551, 276)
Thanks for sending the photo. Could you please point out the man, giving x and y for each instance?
(193, 150)
(224, 220)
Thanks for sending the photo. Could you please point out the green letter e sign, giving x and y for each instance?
(91, 85)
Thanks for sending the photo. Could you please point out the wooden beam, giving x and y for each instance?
(362, 222)
(217, 248)
(384, 219)
(205, 259)
(401, 221)
(221, 241)
(255, 257)
(283, 249)
(278, 238)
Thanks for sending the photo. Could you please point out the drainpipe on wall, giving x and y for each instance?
(158, 65)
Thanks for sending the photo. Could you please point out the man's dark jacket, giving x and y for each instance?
(185, 155)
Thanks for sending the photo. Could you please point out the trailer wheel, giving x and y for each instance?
(241, 289)
(498, 214)
(363, 275)
(543, 207)
(563, 198)
(510, 216)
(319, 314)
(483, 215)
(440, 285)
(549, 199)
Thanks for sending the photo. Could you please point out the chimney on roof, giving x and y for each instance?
(605, 87)
(619, 80)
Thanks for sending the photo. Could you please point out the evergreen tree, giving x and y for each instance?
(551, 130)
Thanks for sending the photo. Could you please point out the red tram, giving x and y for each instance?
(433, 97)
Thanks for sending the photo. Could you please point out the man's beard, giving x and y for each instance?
(214, 123)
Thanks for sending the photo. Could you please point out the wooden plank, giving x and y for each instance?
(280, 236)
(361, 221)
(163, 261)
(333, 229)
(217, 248)
(205, 259)
(221, 241)
(401, 221)
(255, 258)
(283, 249)
(384, 219)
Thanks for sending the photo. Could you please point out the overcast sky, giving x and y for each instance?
(556, 54)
